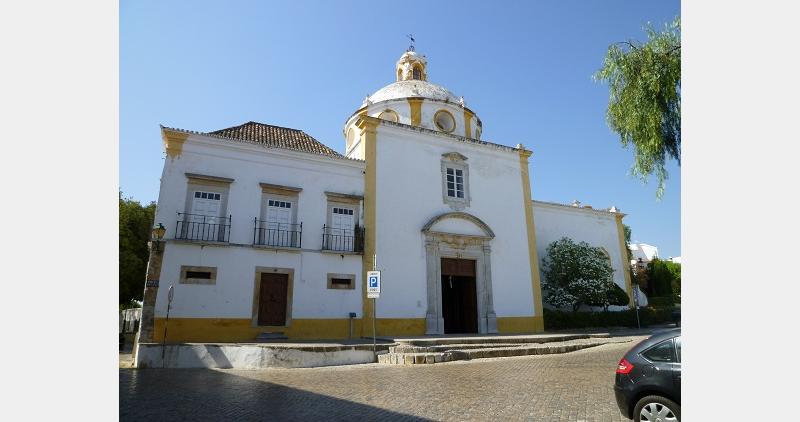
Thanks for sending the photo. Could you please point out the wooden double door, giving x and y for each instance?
(273, 295)
(459, 296)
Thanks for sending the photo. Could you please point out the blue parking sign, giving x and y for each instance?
(373, 284)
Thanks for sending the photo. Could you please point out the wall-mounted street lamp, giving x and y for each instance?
(158, 234)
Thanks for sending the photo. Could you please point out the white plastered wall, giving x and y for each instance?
(409, 194)
(597, 228)
(249, 165)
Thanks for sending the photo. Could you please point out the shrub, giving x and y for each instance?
(660, 301)
(576, 274)
(560, 320)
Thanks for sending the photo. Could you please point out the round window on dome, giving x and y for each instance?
(389, 115)
(444, 121)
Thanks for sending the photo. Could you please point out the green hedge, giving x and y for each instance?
(660, 301)
(560, 320)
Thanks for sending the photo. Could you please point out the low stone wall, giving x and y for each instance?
(250, 356)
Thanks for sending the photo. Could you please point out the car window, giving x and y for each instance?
(661, 352)
(678, 347)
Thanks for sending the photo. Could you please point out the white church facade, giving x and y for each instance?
(270, 231)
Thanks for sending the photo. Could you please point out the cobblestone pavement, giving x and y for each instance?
(575, 386)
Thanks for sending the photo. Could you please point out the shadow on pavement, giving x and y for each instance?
(201, 394)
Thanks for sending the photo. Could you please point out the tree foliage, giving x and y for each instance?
(135, 225)
(662, 276)
(644, 107)
(576, 274)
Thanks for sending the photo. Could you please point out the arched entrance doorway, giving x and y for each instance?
(459, 275)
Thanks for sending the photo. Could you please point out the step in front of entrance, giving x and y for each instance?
(408, 355)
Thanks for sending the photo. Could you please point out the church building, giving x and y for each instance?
(269, 232)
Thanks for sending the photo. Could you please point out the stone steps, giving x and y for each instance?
(500, 339)
(268, 337)
(407, 355)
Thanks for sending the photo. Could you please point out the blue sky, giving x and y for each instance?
(524, 67)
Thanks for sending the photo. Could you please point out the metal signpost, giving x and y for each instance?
(636, 303)
(170, 295)
(374, 292)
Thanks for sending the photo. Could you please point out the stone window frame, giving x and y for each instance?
(200, 281)
(279, 193)
(342, 200)
(455, 161)
(205, 183)
(351, 277)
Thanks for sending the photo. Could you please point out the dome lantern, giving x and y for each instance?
(412, 66)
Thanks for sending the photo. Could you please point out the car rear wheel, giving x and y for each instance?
(656, 409)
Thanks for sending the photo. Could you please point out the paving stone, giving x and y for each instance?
(552, 387)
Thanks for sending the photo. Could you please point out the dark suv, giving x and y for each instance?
(648, 380)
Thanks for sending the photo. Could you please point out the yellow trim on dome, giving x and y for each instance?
(416, 111)
(467, 123)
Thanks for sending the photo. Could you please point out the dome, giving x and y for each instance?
(412, 88)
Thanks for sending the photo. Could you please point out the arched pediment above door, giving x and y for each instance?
(458, 223)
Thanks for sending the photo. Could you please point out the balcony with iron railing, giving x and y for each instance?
(343, 240)
(203, 228)
(277, 234)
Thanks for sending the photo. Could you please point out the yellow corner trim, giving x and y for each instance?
(173, 142)
(533, 257)
(368, 128)
(623, 250)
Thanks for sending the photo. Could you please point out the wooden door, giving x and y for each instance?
(459, 298)
(272, 299)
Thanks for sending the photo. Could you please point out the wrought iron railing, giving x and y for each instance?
(277, 234)
(203, 227)
(344, 240)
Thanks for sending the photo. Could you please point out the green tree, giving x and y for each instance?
(614, 296)
(644, 107)
(576, 274)
(675, 269)
(661, 276)
(135, 224)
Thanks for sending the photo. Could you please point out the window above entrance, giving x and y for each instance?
(455, 181)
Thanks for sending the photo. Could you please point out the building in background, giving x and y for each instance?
(642, 253)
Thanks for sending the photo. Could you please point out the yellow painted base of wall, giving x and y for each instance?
(231, 330)
(225, 330)
(396, 327)
(520, 325)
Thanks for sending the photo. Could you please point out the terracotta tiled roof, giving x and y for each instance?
(276, 136)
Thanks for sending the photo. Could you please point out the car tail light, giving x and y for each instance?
(624, 367)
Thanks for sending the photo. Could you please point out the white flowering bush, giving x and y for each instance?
(577, 274)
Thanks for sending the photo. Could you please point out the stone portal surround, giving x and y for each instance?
(447, 245)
